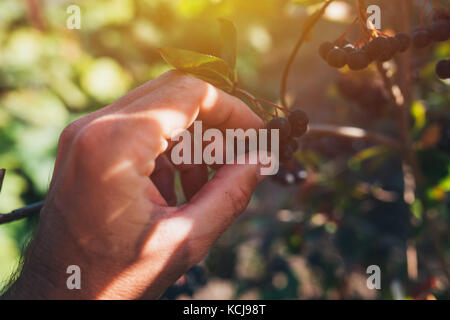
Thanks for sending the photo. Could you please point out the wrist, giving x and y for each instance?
(42, 275)
(44, 272)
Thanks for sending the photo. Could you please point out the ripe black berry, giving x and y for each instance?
(389, 50)
(395, 45)
(376, 47)
(403, 41)
(299, 123)
(337, 58)
(324, 49)
(443, 69)
(282, 124)
(440, 30)
(421, 38)
(349, 48)
(357, 60)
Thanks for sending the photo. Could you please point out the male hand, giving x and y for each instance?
(103, 212)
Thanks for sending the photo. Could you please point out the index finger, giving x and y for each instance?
(185, 99)
(141, 129)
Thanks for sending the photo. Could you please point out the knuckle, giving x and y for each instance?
(68, 134)
(87, 139)
(182, 81)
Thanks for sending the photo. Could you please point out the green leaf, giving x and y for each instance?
(228, 36)
(307, 3)
(206, 67)
(419, 113)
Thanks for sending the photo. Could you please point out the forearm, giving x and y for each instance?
(42, 273)
(39, 276)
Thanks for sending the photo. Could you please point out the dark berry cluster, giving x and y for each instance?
(381, 49)
(438, 30)
(293, 127)
(290, 174)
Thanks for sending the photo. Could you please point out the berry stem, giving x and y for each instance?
(307, 28)
(346, 31)
(273, 105)
(253, 101)
(360, 5)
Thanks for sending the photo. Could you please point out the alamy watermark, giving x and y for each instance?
(74, 280)
(237, 147)
(74, 19)
(374, 280)
(374, 20)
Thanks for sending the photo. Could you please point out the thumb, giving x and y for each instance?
(222, 199)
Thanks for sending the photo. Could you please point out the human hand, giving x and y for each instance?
(104, 214)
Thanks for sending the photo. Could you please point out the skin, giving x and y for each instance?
(103, 212)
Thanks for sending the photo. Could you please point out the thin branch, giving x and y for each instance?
(347, 30)
(304, 35)
(353, 133)
(2, 176)
(361, 5)
(251, 98)
(21, 213)
(275, 106)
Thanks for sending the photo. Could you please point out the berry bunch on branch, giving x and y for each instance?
(376, 46)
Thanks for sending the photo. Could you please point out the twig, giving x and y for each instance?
(305, 32)
(347, 30)
(353, 133)
(275, 106)
(2, 175)
(251, 98)
(361, 5)
(21, 213)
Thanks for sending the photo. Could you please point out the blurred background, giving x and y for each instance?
(308, 239)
